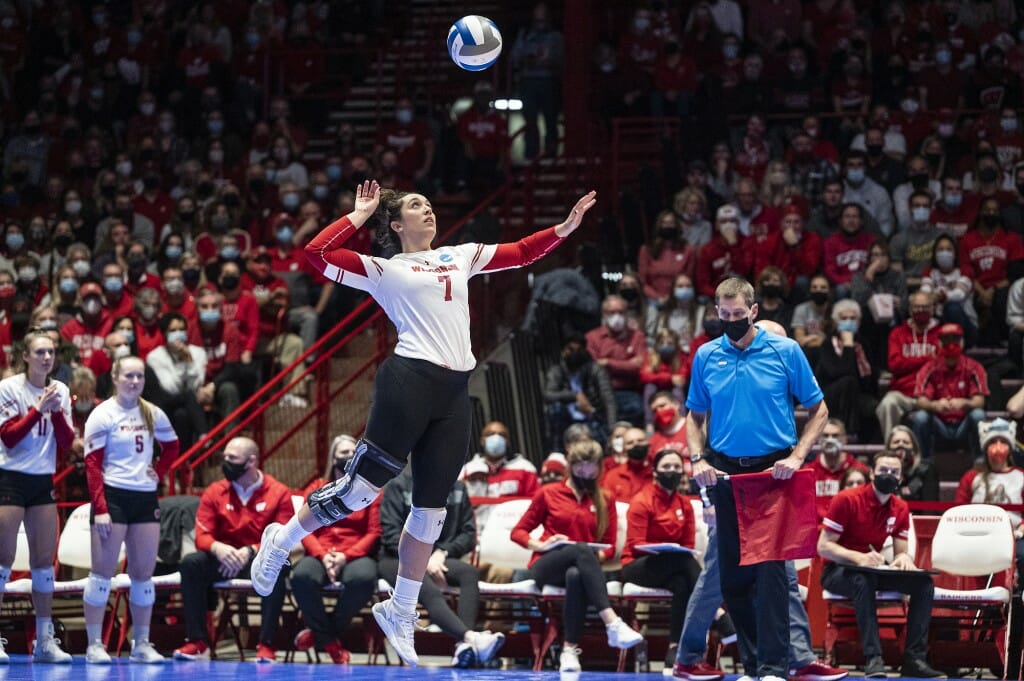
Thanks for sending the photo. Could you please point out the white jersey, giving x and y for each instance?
(36, 453)
(127, 444)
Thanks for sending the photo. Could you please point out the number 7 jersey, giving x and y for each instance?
(425, 294)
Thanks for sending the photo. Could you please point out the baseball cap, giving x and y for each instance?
(997, 428)
(728, 212)
(555, 462)
(951, 329)
(91, 288)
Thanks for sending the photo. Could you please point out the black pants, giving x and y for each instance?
(198, 573)
(577, 569)
(672, 571)
(460, 574)
(860, 587)
(309, 577)
(757, 596)
(420, 409)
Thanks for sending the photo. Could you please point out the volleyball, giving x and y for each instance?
(474, 43)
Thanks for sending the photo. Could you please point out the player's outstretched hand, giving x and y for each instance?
(575, 217)
(367, 197)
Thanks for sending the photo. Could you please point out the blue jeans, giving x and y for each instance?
(704, 602)
(927, 425)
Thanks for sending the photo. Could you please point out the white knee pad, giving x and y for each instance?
(425, 524)
(97, 590)
(142, 593)
(42, 580)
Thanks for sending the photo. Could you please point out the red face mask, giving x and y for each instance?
(998, 453)
(922, 318)
(664, 417)
(952, 350)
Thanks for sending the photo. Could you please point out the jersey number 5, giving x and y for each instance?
(139, 445)
(447, 279)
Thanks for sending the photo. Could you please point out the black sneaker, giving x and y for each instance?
(875, 668)
(670, 655)
(920, 669)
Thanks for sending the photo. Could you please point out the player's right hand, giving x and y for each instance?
(367, 197)
(103, 525)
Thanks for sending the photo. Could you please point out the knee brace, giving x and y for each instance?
(97, 590)
(142, 593)
(425, 524)
(42, 580)
(367, 471)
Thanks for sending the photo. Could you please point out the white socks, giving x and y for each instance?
(44, 628)
(140, 633)
(290, 535)
(407, 593)
(94, 632)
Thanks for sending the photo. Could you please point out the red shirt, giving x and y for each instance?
(845, 255)
(206, 244)
(826, 480)
(195, 63)
(408, 140)
(124, 307)
(147, 280)
(484, 132)
(658, 275)
(620, 351)
(989, 256)
(656, 516)
(909, 350)
(661, 377)
(158, 209)
(623, 481)
(244, 314)
(556, 508)
(147, 339)
(505, 478)
(955, 222)
(660, 440)
(222, 344)
(965, 379)
(717, 261)
(187, 309)
(223, 517)
(804, 259)
(355, 535)
(862, 521)
(88, 338)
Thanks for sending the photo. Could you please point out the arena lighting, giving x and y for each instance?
(508, 104)
(612, 276)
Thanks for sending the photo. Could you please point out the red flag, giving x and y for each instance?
(777, 518)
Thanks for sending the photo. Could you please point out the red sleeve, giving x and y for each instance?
(13, 431)
(808, 255)
(530, 485)
(524, 252)
(206, 519)
(325, 249)
(285, 508)
(923, 387)
(533, 517)
(94, 479)
(662, 378)
(251, 318)
(964, 490)
(365, 545)
(612, 531)
(636, 528)
(62, 430)
(689, 534)
(837, 519)
(898, 364)
(168, 453)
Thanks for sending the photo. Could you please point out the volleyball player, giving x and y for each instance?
(122, 479)
(35, 422)
(421, 398)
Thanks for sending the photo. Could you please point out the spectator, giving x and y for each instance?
(794, 249)
(950, 284)
(116, 301)
(826, 218)
(620, 350)
(537, 56)
(665, 255)
(809, 317)
(411, 139)
(920, 476)
(89, 328)
(910, 348)
(666, 368)
(65, 294)
(845, 253)
(52, 260)
(275, 342)
(577, 390)
(800, 91)
(622, 482)
(227, 378)
(852, 529)
(554, 469)
(680, 314)
(918, 180)
(912, 248)
(615, 448)
(772, 290)
(846, 375)
(628, 288)
(192, 273)
(239, 308)
(342, 553)
(881, 290)
(853, 477)
(860, 189)
(229, 523)
(30, 148)
(669, 424)
(726, 255)
(136, 276)
(832, 464)
(508, 474)
(180, 369)
(175, 296)
(457, 538)
(140, 227)
(952, 214)
(146, 313)
(483, 134)
(675, 81)
(950, 391)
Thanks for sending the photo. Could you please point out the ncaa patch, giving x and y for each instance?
(446, 257)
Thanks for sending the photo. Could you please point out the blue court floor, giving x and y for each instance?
(21, 669)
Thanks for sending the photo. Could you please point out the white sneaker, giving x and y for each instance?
(621, 635)
(772, 678)
(486, 645)
(569, 660)
(747, 677)
(399, 629)
(296, 401)
(96, 653)
(464, 657)
(144, 652)
(267, 563)
(4, 659)
(48, 651)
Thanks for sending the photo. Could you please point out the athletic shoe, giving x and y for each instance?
(486, 644)
(920, 669)
(465, 656)
(569, 660)
(399, 629)
(96, 653)
(193, 650)
(304, 640)
(770, 677)
(620, 635)
(875, 668)
(4, 659)
(337, 652)
(267, 563)
(143, 652)
(265, 654)
(817, 671)
(48, 651)
(701, 671)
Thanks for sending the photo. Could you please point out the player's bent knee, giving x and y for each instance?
(142, 592)
(425, 524)
(97, 590)
(365, 474)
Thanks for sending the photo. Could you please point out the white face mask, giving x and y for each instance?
(122, 351)
(615, 322)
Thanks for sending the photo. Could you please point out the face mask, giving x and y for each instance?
(6, 291)
(216, 126)
(920, 214)
(495, 445)
(990, 220)
(136, 261)
(190, 275)
(712, 327)
(271, 174)
(874, 149)
(229, 282)
(664, 417)
(73, 207)
(91, 306)
(849, 325)
(998, 453)
(113, 284)
(333, 172)
(83, 406)
(61, 241)
(173, 253)
(67, 286)
(772, 291)
(668, 233)
(886, 483)
(668, 480)
(919, 181)
(641, 24)
(954, 200)
(209, 316)
(123, 168)
(909, 106)
(128, 334)
(819, 297)
(629, 294)
(615, 322)
(855, 175)
(951, 350)
(15, 240)
(575, 361)
(179, 336)
(220, 223)
(667, 352)
(736, 329)
(588, 485)
(944, 259)
(284, 235)
(231, 200)
(27, 274)
(321, 191)
(233, 471)
(291, 201)
(943, 57)
(122, 351)
(216, 156)
(48, 324)
(618, 443)
(637, 452)
(988, 174)
(229, 252)
(147, 313)
(921, 318)
(730, 51)
(147, 108)
(683, 294)
(404, 116)
(81, 268)
(1008, 124)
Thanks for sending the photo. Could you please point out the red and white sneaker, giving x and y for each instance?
(817, 671)
(304, 640)
(265, 654)
(337, 652)
(701, 671)
(193, 650)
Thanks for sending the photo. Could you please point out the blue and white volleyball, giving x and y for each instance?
(474, 43)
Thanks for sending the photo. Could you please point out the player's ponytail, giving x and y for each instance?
(389, 209)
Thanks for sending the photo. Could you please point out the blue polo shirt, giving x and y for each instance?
(750, 393)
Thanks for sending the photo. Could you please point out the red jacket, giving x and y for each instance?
(909, 350)
(623, 481)
(804, 259)
(658, 275)
(623, 370)
(717, 261)
(557, 509)
(657, 516)
(845, 255)
(87, 338)
(356, 535)
(826, 481)
(965, 379)
(223, 517)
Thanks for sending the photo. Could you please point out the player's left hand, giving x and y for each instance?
(785, 468)
(575, 216)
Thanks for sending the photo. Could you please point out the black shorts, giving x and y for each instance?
(130, 507)
(26, 489)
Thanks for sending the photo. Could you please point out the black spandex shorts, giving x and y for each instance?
(130, 507)
(26, 489)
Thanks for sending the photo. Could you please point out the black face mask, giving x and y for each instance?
(736, 329)
(669, 480)
(886, 483)
(229, 282)
(257, 185)
(151, 182)
(988, 174)
(584, 484)
(190, 275)
(577, 359)
(990, 220)
(108, 191)
(629, 294)
(669, 233)
(637, 452)
(713, 327)
(919, 180)
(772, 291)
(233, 471)
(874, 149)
(819, 297)
(62, 241)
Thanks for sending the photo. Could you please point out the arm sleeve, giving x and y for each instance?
(963, 490)
(636, 527)
(14, 430)
(339, 264)
(367, 543)
(62, 430)
(533, 517)
(526, 251)
(94, 479)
